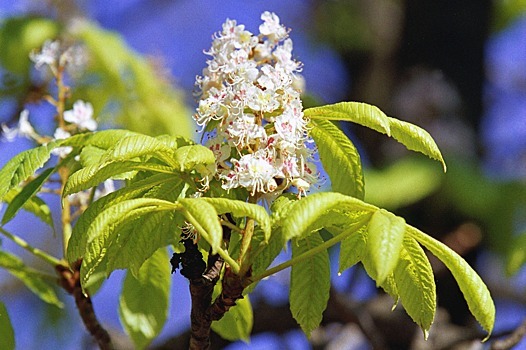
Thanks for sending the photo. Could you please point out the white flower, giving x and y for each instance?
(250, 91)
(47, 56)
(81, 115)
(62, 152)
(24, 128)
(271, 27)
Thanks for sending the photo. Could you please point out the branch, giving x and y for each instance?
(70, 281)
(513, 339)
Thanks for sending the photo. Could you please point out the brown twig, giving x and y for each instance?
(70, 281)
(513, 339)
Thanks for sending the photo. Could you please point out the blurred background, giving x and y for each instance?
(455, 68)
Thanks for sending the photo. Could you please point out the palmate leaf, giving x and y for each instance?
(241, 209)
(309, 284)
(25, 164)
(30, 277)
(6, 329)
(410, 135)
(304, 214)
(138, 239)
(385, 234)
(143, 303)
(339, 157)
(79, 238)
(473, 288)
(102, 232)
(136, 146)
(237, 322)
(416, 284)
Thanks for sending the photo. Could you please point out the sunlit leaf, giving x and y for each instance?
(473, 288)
(410, 135)
(304, 214)
(204, 218)
(339, 157)
(102, 232)
(194, 157)
(78, 240)
(385, 234)
(309, 284)
(353, 249)
(416, 284)
(241, 209)
(143, 303)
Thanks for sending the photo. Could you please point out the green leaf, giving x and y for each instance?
(414, 179)
(145, 100)
(416, 284)
(192, 157)
(411, 136)
(34, 205)
(31, 278)
(305, 214)
(353, 249)
(78, 240)
(385, 234)
(136, 146)
(475, 291)
(241, 209)
(138, 239)
(22, 166)
(356, 112)
(339, 158)
(415, 139)
(29, 190)
(6, 329)
(104, 139)
(143, 303)
(93, 175)
(102, 232)
(237, 322)
(517, 254)
(309, 284)
(205, 220)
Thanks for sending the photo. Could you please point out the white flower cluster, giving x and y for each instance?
(53, 54)
(250, 93)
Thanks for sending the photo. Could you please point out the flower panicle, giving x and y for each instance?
(250, 90)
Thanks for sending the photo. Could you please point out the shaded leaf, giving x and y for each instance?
(30, 277)
(23, 165)
(353, 249)
(33, 205)
(192, 157)
(143, 303)
(237, 322)
(6, 329)
(27, 192)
